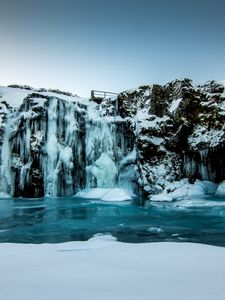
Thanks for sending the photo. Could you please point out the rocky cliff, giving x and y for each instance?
(55, 143)
(180, 131)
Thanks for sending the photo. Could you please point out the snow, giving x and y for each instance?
(174, 105)
(152, 139)
(153, 122)
(221, 189)
(202, 135)
(161, 197)
(15, 96)
(181, 189)
(104, 194)
(102, 268)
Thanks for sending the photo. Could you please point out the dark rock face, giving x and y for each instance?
(143, 140)
(181, 131)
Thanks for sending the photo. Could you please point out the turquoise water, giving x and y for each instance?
(54, 220)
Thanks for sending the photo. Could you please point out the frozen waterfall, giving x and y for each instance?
(53, 147)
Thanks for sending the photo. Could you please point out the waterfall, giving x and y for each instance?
(6, 174)
(53, 147)
(106, 147)
(199, 166)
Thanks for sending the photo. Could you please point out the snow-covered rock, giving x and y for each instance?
(181, 189)
(180, 130)
(56, 143)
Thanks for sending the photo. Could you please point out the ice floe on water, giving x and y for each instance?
(155, 229)
(105, 194)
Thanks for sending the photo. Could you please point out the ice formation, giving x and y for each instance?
(53, 143)
(55, 147)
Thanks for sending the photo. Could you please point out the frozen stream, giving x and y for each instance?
(54, 220)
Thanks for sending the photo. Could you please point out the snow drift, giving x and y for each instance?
(102, 268)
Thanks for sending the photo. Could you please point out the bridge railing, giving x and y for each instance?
(100, 95)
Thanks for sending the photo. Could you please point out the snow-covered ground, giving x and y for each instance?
(103, 269)
(15, 96)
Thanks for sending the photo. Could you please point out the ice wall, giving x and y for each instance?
(54, 147)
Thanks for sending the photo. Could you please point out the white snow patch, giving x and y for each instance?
(152, 139)
(153, 122)
(174, 105)
(104, 194)
(15, 96)
(102, 268)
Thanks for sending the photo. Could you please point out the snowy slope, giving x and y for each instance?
(103, 269)
(15, 96)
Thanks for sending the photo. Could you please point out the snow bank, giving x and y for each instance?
(102, 268)
(182, 189)
(221, 189)
(15, 96)
(105, 194)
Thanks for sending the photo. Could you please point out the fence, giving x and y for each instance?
(100, 95)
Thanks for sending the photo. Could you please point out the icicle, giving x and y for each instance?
(52, 150)
(128, 170)
(24, 175)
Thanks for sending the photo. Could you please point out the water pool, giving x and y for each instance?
(54, 220)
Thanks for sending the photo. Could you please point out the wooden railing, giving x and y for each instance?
(100, 95)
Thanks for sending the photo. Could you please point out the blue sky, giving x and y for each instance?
(110, 45)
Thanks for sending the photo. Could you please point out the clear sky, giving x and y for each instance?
(110, 45)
